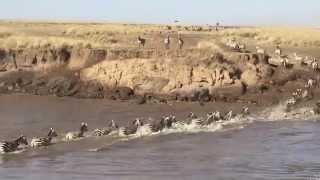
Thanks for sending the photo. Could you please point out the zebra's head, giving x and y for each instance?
(192, 115)
(113, 124)
(169, 120)
(137, 122)
(245, 110)
(84, 127)
(22, 140)
(52, 133)
(173, 118)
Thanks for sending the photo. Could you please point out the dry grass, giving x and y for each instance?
(298, 37)
(23, 34)
(42, 34)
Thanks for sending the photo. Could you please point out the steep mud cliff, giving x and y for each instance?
(124, 73)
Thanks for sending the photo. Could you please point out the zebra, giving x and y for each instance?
(314, 64)
(244, 112)
(167, 42)
(209, 120)
(11, 146)
(131, 128)
(106, 131)
(310, 83)
(316, 109)
(180, 42)
(289, 103)
(217, 116)
(165, 122)
(156, 125)
(260, 50)
(75, 135)
(192, 115)
(193, 119)
(297, 58)
(169, 120)
(284, 62)
(44, 141)
(217, 26)
(234, 46)
(278, 51)
(229, 115)
(242, 47)
(298, 93)
(141, 41)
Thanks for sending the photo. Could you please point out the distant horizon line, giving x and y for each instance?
(88, 21)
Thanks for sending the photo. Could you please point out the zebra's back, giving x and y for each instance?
(6, 147)
(37, 142)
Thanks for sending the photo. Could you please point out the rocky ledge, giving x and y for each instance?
(140, 74)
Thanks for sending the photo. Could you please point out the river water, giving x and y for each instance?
(240, 151)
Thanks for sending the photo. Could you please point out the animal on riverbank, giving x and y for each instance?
(314, 65)
(166, 42)
(297, 58)
(297, 93)
(290, 103)
(79, 134)
(278, 51)
(242, 47)
(112, 126)
(260, 50)
(233, 45)
(284, 62)
(44, 141)
(11, 146)
(180, 42)
(310, 83)
(141, 41)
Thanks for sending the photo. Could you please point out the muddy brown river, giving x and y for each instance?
(254, 149)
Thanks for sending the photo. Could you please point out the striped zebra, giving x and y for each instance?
(284, 62)
(159, 125)
(193, 119)
(141, 41)
(167, 42)
(228, 116)
(245, 111)
(314, 64)
(11, 146)
(209, 120)
(310, 83)
(44, 141)
(112, 126)
(192, 115)
(75, 135)
(131, 128)
(167, 121)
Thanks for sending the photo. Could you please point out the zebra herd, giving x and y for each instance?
(153, 125)
(301, 94)
(312, 62)
(166, 41)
